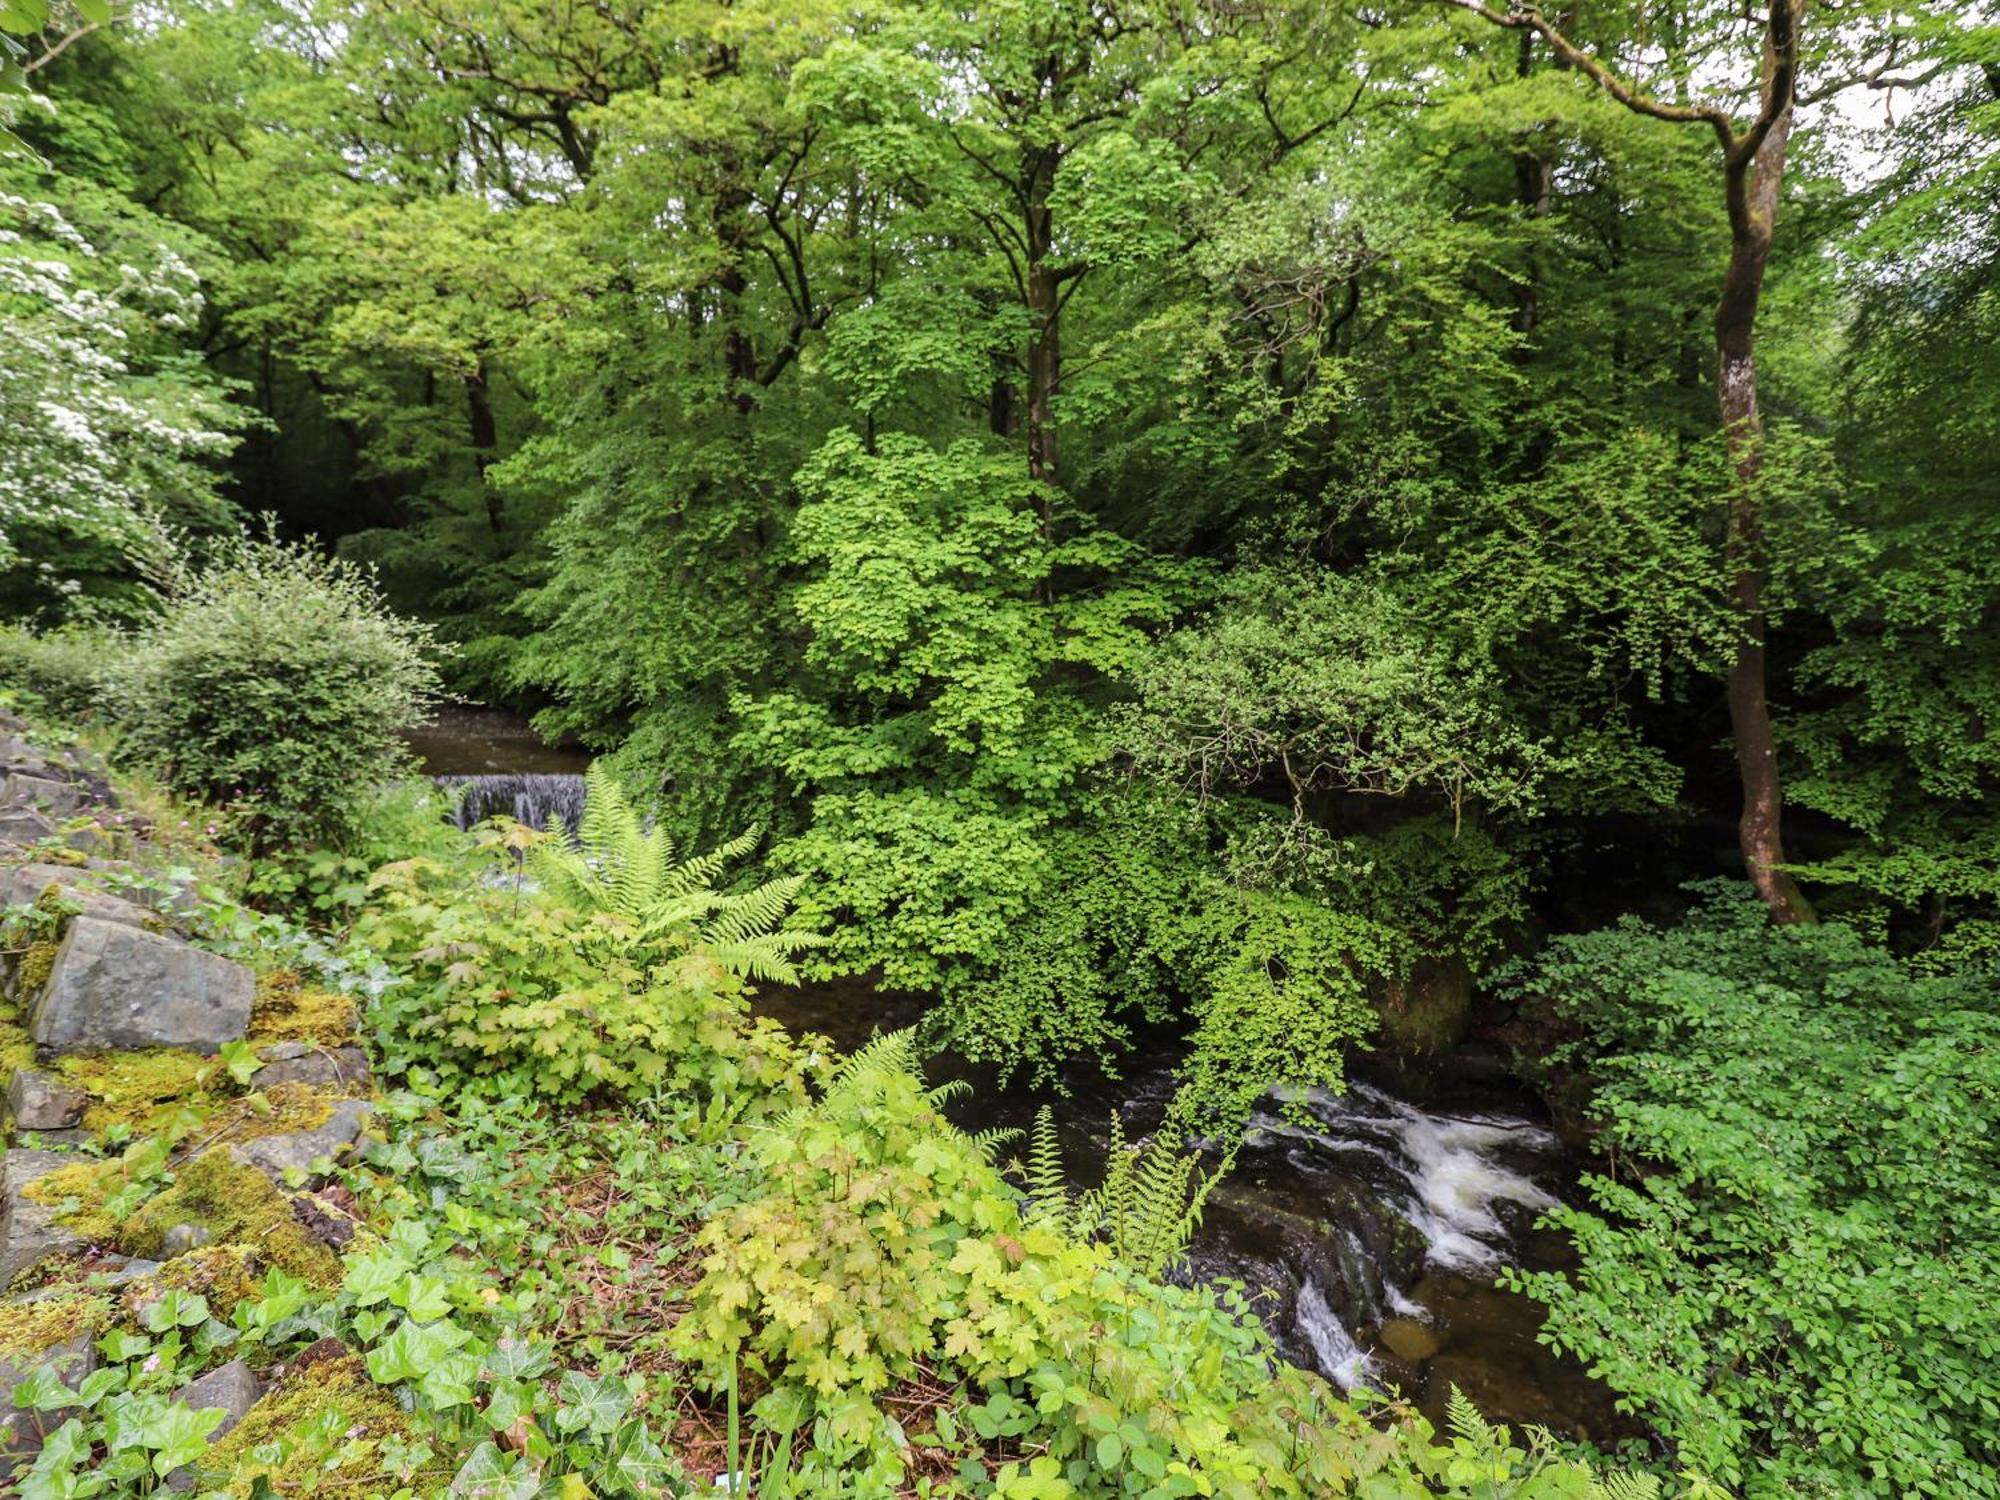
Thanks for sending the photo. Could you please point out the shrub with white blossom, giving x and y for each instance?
(113, 428)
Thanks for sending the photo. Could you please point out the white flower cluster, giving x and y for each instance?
(105, 425)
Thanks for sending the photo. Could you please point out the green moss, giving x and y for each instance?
(84, 1187)
(17, 1048)
(278, 1110)
(288, 1010)
(36, 966)
(221, 1274)
(30, 1327)
(288, 1415)
(238, 1205)
(136, 1088)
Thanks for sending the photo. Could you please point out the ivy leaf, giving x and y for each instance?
(239, 1057)
(449, 1382)
(413, 1350)
(422, 1297)
(374, 1275)
(175, 1309)
(519, 1359)
(585, 1404)
(489, 1474)
(55, 1475)
(43, 1390)
(180, 1433)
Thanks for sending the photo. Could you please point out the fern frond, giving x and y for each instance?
(1048, 1190)
(1464, 1422)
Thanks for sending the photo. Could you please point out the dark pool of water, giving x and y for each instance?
(471, 741)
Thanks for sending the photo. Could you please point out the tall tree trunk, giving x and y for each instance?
(1753, 185)
(1044, 314)
(485, 439)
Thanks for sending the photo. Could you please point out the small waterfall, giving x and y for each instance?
(531, 798)
(1340, 1359)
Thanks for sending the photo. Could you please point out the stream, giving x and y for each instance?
(1368, 1223)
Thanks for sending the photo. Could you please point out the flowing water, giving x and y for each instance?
(1368, 1223)
(499, 765)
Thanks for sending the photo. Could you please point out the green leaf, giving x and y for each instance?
(591, 1405)
(413, 1350)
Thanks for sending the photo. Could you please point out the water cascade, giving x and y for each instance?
(532, 798)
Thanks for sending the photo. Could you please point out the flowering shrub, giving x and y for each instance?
(113, 432)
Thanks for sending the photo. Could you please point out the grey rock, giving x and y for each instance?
(25, 825)
(273, 1155)
(56, 797)
(41, 1101)
(233, 1388)
(24, 885)
(28, 1230)
(301, 1062)
(92, 839)
(114, 987)
(182, 1238)
(21, 1432)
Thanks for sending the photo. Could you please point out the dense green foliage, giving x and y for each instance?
(1794, 1275)
(1217, 522)
(536, 1303)
(273, 685)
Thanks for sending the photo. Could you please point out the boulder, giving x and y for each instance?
(21, 1432)
(28, 1230)
(1410, 1340)
(233, 1388)
(184, 1239)
(41, 1101)
(112, 988)
(24, 825)
(302, 1062)
(274, 1155)
(24, 884)
(57, 798)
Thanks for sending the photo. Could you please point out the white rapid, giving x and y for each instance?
(1340, 1359)
(1451, 1168)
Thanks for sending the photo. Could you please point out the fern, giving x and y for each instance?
(1149, 1204)
(1048, 1191)
(619, 866)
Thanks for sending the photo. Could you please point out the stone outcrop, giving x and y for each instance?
(113, 987)
(232, 1388)
(57, 798)
(41, 1101)
(25, 884)
(275, 1155)
(24, 825)
(322, 1067)
(28, 1230)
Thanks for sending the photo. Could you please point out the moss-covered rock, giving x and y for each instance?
(78, 1193)
(287, 1437)
(138, 1089)
(32, 973)
(29, 1327)
(1427, 1012)
(236, 1204)
(286, 1009)
(223, 1275)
